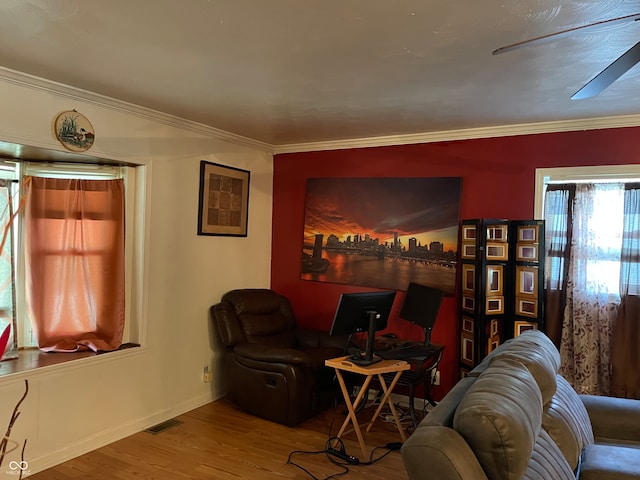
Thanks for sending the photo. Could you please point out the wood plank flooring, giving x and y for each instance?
(218, 441)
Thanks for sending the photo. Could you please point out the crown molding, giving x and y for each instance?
(466, 134)
(61, 90)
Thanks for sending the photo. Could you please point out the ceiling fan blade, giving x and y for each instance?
(610, 74)
(553, 36)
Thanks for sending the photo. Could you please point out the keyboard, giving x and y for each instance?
(404, 352)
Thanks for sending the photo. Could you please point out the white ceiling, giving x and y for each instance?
(293, 71)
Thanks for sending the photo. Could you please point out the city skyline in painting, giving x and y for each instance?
(349, 221)
(424, 208)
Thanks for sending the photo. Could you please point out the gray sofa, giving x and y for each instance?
(514, 417)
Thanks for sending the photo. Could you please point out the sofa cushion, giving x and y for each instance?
(538, 353)
(547, 461)
(500, 417)
(439, 452)
(608, 462)
(566, 420)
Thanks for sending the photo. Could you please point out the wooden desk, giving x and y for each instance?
(377, 369)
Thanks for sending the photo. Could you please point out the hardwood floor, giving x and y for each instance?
(217, 441)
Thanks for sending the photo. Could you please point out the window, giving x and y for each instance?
(592, 221)
(133, 180)
(598, 221)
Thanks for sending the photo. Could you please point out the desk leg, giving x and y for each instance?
(387, 398)
(351, 407)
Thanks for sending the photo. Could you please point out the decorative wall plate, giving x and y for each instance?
(74, 131)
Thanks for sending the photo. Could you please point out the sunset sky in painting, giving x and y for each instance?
(424, 208)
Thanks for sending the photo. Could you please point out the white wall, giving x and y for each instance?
(79, 406)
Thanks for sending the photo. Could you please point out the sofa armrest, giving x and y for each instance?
(268, 354)
(614, 420)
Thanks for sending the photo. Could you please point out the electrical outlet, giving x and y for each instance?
(207, 376)
(435, 378)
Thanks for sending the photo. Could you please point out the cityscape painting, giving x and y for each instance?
(382, 232)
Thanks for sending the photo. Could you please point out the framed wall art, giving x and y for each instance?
(494, 280)
(493, 334)
(469, 250)
(497, 233)
(468, 324)
(494, 305)
(74, 131)
(526, 252)
(520, 326)
(382, 232)
(527, 281)
(469, 303)
(467, 348)
(468, 232)
(497, 251)
(468, 278)
(527, 307)
(224, 200)
(528, 233)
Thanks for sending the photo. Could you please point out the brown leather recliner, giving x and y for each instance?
(274, 369)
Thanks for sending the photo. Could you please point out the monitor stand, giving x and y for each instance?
(427, 335)
(368, 358)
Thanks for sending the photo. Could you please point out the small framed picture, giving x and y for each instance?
(520, 326)
(492, 344)
(494, 305)
(468, 278)
(468, 303)
(527, 281)
(468, 232)
(497, 233)
(224, 200)
(469, 250)
(493, 334)
(495, 327)
(527, 252)
(527, 307)
(468, 324)
(494, 280)
(528, 233)
(497, 251)
(466, 349)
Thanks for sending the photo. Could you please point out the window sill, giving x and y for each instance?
(32, 359)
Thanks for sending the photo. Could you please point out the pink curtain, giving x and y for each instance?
(75, 262)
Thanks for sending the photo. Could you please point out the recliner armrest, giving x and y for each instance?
(268, 354)
(614, 420)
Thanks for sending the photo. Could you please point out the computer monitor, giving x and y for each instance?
(421, 306)
(363, 312)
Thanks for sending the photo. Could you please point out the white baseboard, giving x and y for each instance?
(118, 432)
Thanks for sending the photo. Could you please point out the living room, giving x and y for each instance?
(78, 406)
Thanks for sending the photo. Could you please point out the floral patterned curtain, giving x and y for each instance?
(592, 304)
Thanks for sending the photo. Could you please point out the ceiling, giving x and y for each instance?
(285, 72)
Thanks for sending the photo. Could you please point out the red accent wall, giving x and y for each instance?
(498, 177)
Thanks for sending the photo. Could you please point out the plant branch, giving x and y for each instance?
(14, 417)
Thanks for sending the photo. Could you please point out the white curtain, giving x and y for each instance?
(8, 324)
